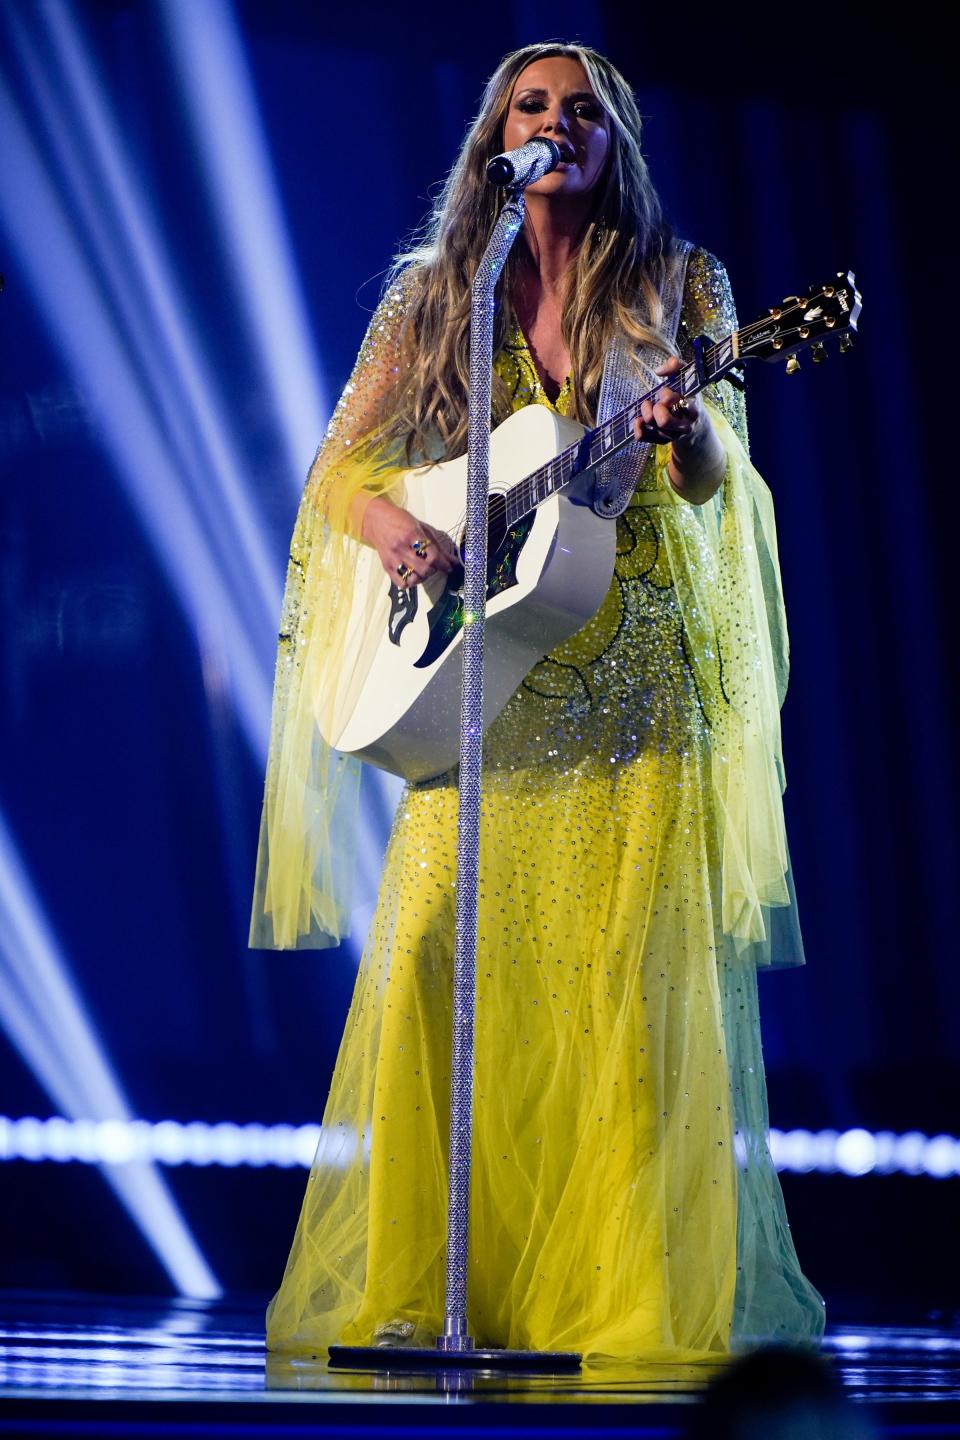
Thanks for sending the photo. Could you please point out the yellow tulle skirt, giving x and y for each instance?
(623, 1200)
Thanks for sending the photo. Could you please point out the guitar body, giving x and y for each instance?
(546, 577)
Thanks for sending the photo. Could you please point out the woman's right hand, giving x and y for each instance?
(394, 533)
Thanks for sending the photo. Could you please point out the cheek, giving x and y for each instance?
(514, 130)
(599, 149)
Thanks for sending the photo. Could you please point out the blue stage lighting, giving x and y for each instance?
(45, 251)
(848, 1153)
(196, 496)
(135, 272)
(230, 143)
(47, 1021)
(231, 146)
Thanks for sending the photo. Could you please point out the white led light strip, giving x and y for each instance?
(172, 1142)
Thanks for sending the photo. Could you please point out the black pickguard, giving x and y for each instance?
(446, 617)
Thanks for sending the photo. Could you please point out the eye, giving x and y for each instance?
(530, 105)
(588, 110)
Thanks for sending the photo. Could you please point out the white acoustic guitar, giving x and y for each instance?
(550, 556)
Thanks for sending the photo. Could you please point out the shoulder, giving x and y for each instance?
(708, 306)
(398, 294)
(388, 328)
(708, 309)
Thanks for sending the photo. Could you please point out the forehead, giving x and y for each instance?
(561, 73)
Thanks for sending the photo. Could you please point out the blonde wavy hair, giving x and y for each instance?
(615, 285)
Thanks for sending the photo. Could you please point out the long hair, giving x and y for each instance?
(614, 285)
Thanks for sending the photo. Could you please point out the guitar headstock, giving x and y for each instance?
(804, 320)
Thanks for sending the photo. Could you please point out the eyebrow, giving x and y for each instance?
(577, 95)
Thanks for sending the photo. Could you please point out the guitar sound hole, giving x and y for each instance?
(496, 535)
(496, 522)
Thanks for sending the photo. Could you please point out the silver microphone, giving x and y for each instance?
(525, 165)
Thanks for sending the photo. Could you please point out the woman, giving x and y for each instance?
(633, 857)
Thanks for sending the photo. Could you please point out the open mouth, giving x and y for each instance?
(568, 155)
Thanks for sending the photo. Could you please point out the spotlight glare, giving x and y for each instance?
(170, 1142)
(46, 1019)
(228, 133)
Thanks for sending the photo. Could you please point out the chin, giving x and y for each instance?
(559, 181)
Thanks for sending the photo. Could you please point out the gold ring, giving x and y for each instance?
(403, 570)
(419, 546)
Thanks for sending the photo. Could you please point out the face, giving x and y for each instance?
(554, 98)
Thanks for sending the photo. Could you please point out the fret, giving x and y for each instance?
(724, 354)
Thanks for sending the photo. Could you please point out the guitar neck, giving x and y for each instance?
(710, 363)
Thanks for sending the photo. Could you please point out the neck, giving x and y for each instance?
(554, 229)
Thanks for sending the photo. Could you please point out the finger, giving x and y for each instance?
(666, 396)
(439, 552)
(407, 567)
(442, 551)
(665, 418)
(669, 367)
(647, 432)
(446, 543)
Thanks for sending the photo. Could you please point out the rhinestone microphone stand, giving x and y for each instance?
(455, 1347)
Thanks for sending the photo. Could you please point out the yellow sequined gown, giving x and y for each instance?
(623, 1203)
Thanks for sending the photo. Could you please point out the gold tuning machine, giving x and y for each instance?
(793, 365)
(846, 342)
(818, 351)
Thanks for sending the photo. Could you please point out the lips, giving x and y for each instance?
(568, 155)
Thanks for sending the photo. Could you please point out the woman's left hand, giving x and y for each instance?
(697, 457)
(669, 417)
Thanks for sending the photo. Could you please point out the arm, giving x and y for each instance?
(364, 510)
(697, 461)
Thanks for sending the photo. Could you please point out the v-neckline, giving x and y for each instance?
(540, 375)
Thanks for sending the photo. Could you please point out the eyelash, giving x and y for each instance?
(583, 109)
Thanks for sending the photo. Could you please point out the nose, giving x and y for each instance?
(555, 121)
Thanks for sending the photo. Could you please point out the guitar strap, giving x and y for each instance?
(626, 376)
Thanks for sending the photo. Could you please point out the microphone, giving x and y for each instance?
(525, 165)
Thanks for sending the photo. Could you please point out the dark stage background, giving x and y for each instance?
(198, 201)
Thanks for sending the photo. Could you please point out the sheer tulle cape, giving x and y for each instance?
(305, 861)
(726, 573)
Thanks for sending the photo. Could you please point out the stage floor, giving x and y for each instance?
(76, 1364)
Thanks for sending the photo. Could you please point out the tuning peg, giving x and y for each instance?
(793, 365)
(846, 342)
(818, 351)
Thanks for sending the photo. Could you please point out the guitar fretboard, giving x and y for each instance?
(600, 444)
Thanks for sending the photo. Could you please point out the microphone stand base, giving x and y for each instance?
(427, 1357)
